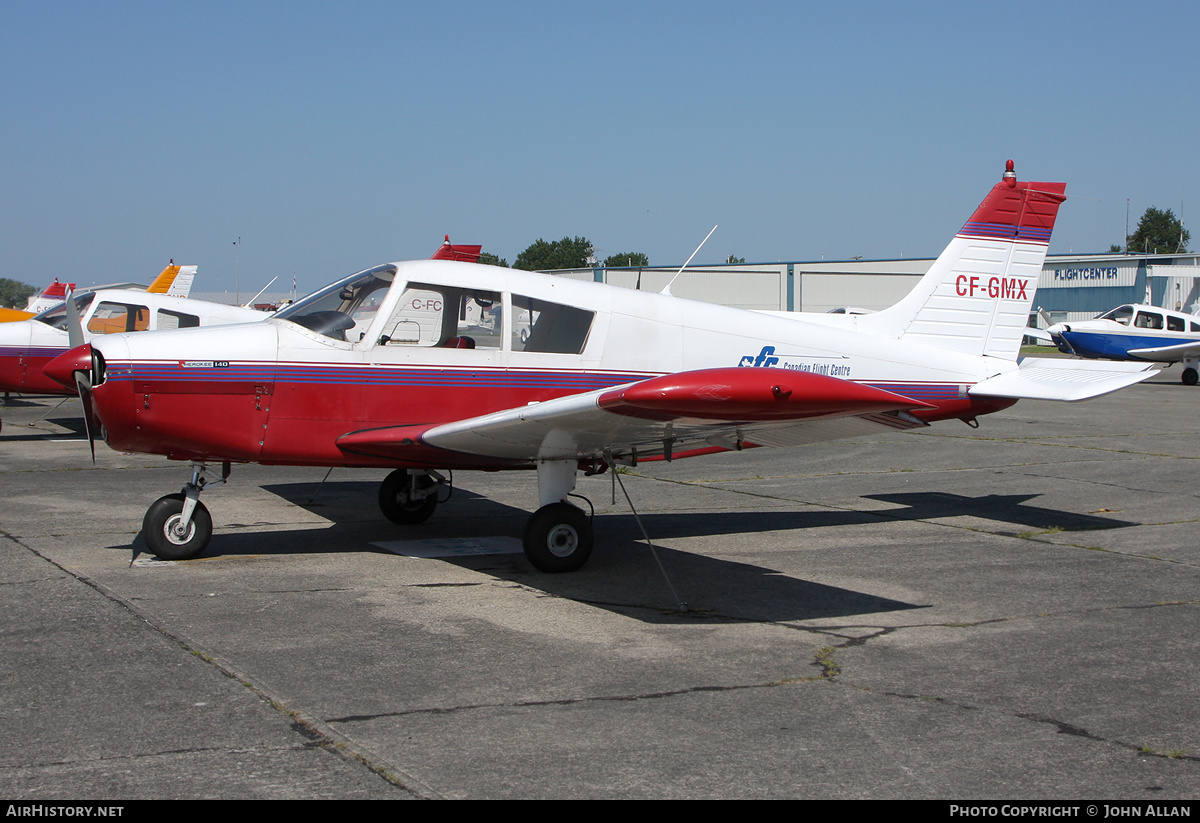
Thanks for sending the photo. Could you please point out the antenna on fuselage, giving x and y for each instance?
(667, 288)
(260, 291)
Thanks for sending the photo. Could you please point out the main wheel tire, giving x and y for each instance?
(1189, 377)
(558, 538)
(397, 504)
(162, 533)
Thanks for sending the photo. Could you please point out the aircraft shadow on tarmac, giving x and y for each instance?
(622, 575)
(14, 401)
(1007, 508)
(30, 432)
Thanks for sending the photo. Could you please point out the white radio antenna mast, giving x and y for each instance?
(667, 288)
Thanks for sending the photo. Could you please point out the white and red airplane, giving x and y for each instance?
(26, 346)
(420, 367)
(174, 281)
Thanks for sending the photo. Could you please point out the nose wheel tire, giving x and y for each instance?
(1189, 377)
(397, 503)
(163, 531)
(558, 538)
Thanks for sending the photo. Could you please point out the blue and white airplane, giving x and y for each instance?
(1135, 332)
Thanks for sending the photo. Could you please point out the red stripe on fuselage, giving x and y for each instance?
(299, 423)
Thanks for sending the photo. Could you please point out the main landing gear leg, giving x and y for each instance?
(178, 526)
(558, 536)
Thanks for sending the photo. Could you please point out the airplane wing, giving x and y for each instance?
(674, 415)
(1171, 354)
(1056, 378)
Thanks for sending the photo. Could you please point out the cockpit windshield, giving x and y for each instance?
(56, 316)
(1120, 314)
(344, 310)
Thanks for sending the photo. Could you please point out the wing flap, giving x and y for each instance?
(1049, 378)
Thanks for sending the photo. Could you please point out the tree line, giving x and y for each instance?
(1158, 232)
(573, 253)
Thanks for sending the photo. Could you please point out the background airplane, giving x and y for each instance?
(420, 367)
(26, 346)
(26, 349)
(173, 281)
(1135, 332)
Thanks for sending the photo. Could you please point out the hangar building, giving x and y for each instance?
(1072, 286)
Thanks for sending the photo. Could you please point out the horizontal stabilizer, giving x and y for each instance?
(1052, 378)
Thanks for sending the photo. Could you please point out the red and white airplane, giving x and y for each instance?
(431, 365)
(26, 346)
(174, 281)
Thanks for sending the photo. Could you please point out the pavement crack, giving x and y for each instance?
(572, 701)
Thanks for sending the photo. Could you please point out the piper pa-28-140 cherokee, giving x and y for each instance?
(430, 365)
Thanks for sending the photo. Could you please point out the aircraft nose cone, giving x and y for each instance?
(1058, 328)
(62, 368)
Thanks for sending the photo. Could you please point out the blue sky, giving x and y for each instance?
(333, 138)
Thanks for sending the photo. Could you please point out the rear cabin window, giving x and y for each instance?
(540, 326)
(176, 320)
(1176, 324)
(114, 318)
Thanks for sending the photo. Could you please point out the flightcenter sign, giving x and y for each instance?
(1085, 276)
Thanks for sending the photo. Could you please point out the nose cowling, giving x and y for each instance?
(1058, 333)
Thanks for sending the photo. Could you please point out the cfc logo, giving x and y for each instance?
(1009, 288)
(764, 359)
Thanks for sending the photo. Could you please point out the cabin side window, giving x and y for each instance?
(541, 326)
(1175, 324)
(114, 318)
(1148, 320)
(445, 317)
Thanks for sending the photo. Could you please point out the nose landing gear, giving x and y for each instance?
(178, 526)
